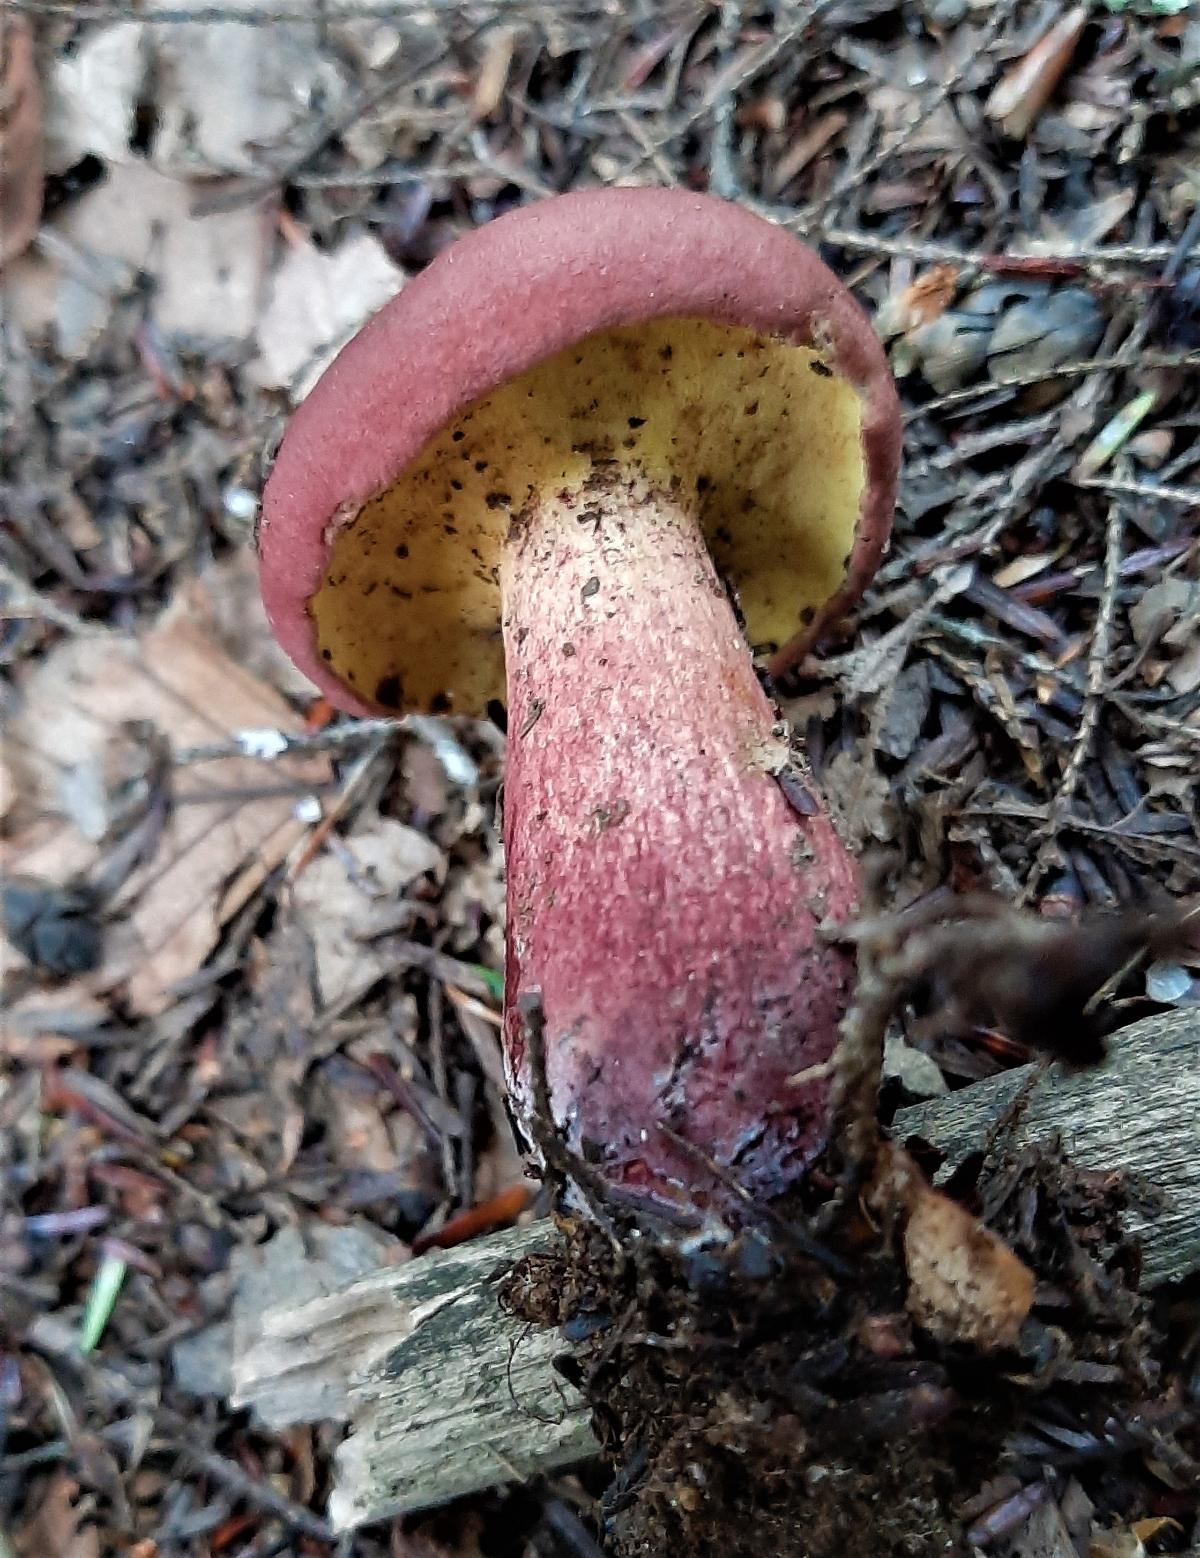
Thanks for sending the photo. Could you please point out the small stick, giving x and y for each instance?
(557, 1156)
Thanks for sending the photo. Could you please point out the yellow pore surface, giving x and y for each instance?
(759, 434)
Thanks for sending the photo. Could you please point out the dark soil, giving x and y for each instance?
(749, 1401)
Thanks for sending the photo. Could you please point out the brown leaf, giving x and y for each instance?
(921, 302)
(965, 1284)
(336, 895)
(216, 845)
(57, 1526)
(20, 138)
(1021, 94)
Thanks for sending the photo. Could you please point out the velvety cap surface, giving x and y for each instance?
(659, 329)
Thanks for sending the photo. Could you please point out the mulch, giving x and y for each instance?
(1014, 707)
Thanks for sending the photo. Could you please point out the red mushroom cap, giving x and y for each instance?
(512, 295)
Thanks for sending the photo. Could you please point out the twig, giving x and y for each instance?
(1140, 489)
(1097, 669)
(351, 786)
(270, 744)
(1131, 843)
(721, 176)
(930, 252)
(854, 1130)
(25, 601)
(180, 1439)
(556, 1155)
(437, 1054)
(1065, 370)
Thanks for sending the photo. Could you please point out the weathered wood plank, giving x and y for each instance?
(444, 1392)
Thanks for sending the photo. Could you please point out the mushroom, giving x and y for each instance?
(561, 462)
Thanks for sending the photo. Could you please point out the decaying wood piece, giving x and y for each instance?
(446, 1394)
(1138, 1112)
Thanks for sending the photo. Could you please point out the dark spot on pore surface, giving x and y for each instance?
(440, 703)
(498, 500)
(456, 484)
(481, 466)
(327, 654)
(637, 421)
(752, 409)
(389, 691)
(666, 353)
(807, 615)
(703, 484)
(458, 435)
(821, 369)
(402, 550)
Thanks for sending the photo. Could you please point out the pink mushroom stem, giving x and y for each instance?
(663, 894)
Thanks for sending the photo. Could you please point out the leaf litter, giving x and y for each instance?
(1011, 191)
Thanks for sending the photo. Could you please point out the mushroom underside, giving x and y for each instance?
(759, 438)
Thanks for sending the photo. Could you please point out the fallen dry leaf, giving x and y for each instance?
(216, 846)
(226, 600)
(92, 97)
(1021, 94)
(317, 302)
(20, 138)
(336, 898)
(921, 302)
(229, 94)
(206, 274)
(58, 1527)
(1044, 1535)
(965, 1284)
(1166, 612)
(1116, 1544)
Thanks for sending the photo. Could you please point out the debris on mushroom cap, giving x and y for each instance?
(670, 333)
